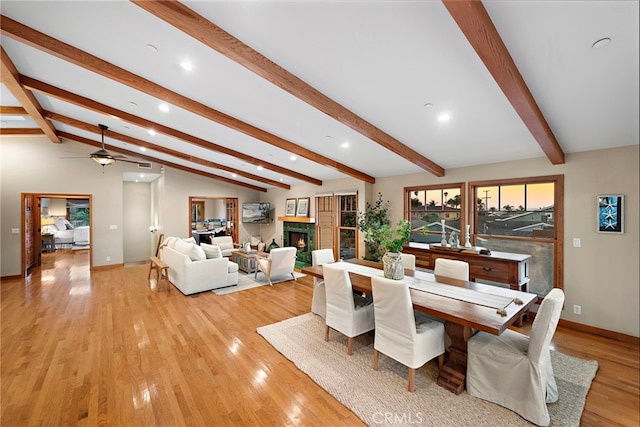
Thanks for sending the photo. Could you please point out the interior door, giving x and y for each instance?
(324, 223)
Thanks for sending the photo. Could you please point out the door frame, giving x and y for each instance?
(36, 214)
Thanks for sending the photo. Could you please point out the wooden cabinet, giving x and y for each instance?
(500, 267)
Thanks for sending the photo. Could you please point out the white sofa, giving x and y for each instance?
(191, 272)
(225, 243)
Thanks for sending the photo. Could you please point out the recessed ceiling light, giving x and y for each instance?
(143, 148)
(293, 158)
(163, 107)
(151, 132)
(601, 43)
(444, 117)
(234, 175)
(344, 145)
(141, 175)
(186, 65)
(152, 48)
(260, 168)
(281, 179)
(428, 105)
(133, 103)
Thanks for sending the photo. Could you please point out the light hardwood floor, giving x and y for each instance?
(102, 348)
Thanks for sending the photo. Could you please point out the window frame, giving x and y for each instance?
(434, 187)
(558, 198)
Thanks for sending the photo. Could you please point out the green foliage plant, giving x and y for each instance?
(379, 235)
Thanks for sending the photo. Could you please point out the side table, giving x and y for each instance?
(48, 242)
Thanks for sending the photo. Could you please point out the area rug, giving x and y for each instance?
(380, 397)
(247, 281)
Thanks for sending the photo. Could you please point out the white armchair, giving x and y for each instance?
(280, 261)
(319, 299)
(347, 313)
(514, 370)
(401, 333)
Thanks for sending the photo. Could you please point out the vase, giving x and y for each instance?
(393, 265)
(273, 245)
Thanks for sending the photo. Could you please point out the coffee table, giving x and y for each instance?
(247, 261)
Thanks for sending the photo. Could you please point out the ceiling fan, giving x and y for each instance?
(103, 157)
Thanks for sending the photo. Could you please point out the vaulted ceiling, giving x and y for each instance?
(269, 94)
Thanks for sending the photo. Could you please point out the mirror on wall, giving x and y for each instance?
(213, 216)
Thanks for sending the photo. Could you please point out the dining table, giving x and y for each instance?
(465, 307)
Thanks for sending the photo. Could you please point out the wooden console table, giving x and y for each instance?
(500, 267)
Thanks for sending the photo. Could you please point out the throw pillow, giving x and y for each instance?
(170, 242)
(211, 251)
(195, 252)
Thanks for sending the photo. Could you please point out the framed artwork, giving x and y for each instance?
(611, 213)
(290, 209)
(303, 206)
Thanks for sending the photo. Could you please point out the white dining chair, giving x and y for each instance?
(347, 313)
(401, 333)
(409, 261)
(280, 261)
(514, 370)
(319, 299)
(452, 268)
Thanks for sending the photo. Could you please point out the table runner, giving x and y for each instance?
(423, 282)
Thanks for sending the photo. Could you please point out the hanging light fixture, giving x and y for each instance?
(102, 156)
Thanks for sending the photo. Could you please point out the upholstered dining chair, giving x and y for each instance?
(319, 299)
(451, 268)
(280, 261)
(514, 370)
(409, 261)
(347, 313)
(401, 333)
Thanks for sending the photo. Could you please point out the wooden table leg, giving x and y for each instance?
(453, 373)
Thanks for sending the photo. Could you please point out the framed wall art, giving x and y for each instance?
(611, 214)
(290, 208)
(303, 206)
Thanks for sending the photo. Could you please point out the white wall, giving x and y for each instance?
(137, 211)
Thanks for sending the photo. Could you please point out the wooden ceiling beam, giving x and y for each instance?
(49, 90)
(11, 78)
(141, 143)
(476, 25)
(7, 110)
(111, 148)
(64, 51)
(198, 27)
(21, 131)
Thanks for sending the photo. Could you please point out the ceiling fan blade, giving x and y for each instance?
(128, 161)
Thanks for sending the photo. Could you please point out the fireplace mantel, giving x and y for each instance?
(303, 219)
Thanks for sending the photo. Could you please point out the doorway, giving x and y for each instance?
(39, 230)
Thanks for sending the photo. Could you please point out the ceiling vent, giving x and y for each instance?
(144, 165)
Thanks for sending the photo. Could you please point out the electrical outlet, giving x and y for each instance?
(576, 242)
(577, 309)
(109, 259)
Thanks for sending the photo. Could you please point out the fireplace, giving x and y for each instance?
(301, 236)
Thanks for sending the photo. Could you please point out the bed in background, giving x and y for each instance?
(65, 234)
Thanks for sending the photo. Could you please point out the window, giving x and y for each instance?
(523, 216)
(337, 221)
(427, 206)
(347, 226)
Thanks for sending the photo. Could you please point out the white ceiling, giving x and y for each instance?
(383, 60)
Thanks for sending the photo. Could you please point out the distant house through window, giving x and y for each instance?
(427, 206)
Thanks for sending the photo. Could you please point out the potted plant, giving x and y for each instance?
(391, 240)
